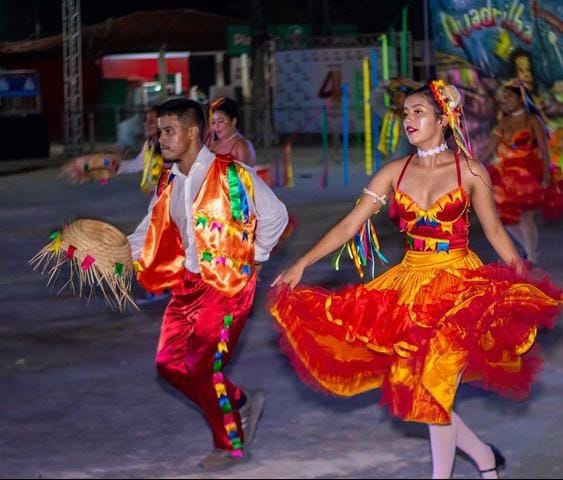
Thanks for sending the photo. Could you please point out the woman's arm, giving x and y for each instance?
(484, 206)
(244, 152)
(491, 147)
(541, 139)
(345, 229)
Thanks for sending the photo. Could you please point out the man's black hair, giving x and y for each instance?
(184, 109)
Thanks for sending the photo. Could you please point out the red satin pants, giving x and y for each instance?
(188, 341)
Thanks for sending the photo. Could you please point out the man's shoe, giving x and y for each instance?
(222, 459)
(250, 413)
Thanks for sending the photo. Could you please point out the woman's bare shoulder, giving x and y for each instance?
(473, 172)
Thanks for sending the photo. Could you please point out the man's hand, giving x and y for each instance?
(257, 269)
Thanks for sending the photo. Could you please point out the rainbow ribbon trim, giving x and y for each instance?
(362, 248)
(237, 195)
(219, 384)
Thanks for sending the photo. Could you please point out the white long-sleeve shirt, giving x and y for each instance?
(136, 164)
(271, 214)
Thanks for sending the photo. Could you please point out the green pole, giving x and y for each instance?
(357, 105)
(385, 65)
(394, 55)
(404, 63)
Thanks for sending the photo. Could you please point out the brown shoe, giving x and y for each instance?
(250, 413)
(222, 459)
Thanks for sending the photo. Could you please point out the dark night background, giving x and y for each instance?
(29, 19)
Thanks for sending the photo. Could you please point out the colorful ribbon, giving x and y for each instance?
(222, 396)
(362, 248)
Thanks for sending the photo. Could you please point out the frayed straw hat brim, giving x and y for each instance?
(98, 256)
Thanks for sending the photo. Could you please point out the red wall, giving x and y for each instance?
(51, 81)
(51, 84)
(144, 69)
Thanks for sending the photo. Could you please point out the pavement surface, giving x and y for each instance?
(79, 394)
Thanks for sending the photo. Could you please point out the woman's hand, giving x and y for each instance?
(291, 276)
(546, 181)
(257, 270)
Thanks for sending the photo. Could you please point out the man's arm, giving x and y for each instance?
(271, 219)
(137, 238)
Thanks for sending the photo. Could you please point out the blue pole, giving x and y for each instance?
(376, 121)
(345, 131)
(324, 123)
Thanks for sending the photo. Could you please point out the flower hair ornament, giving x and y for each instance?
(449, 100)
(216, 104)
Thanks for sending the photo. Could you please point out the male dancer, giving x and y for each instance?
(211, 222)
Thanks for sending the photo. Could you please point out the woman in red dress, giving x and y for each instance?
(440, 316)
(524, 182)
(227, 140)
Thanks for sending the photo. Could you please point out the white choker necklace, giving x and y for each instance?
(231, 137)
(518, 112)
(431, 152)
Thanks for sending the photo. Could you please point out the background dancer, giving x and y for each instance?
(523, 180)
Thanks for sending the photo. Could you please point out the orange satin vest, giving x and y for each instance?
(225, 227)
(224, 233)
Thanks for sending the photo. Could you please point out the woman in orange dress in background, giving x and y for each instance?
(523, 180)
(227, 140)
(437, 318)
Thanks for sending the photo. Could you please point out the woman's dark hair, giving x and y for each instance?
(226, 105)
(526, 99)
(427, 93)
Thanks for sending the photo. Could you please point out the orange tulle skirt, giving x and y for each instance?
(418, 330)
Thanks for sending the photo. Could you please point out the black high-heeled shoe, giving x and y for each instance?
(500, 461)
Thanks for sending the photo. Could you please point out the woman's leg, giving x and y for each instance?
(444, 439)
(530, 235)
(515, 231)
(443, 446)
(479, 451)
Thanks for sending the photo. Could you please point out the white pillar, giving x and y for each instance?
(219, 72)
(245, 78)
(162, 73)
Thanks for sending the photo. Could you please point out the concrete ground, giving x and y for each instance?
(79, 396)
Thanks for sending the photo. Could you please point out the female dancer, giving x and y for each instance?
(522, 179)
(227, 140)
(437, 318)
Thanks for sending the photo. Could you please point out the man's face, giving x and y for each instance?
(174, 137)
(399, 99)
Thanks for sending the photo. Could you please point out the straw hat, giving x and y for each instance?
(92, 167)
(98, 255)
(399, 83)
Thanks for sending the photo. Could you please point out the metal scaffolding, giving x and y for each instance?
(72, 75)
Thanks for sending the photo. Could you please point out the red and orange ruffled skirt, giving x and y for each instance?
(417, 330)
(517, 187)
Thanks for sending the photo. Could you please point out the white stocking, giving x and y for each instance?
(443, 445)
(444, 439)
(515, 232)
(468, 442)
(530, 235)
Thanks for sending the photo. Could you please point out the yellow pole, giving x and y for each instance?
(367, 118)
